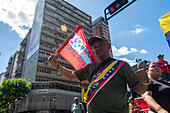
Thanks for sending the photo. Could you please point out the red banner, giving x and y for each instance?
(76, 49)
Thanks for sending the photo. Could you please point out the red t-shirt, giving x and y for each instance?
(164, 69)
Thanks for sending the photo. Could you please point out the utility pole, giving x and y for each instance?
(50, 105)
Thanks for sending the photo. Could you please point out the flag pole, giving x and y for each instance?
(56, 53)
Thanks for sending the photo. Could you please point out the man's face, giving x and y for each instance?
(76, 100)
(161, 58)
(101, 49)
(154, 71)
(131, 101)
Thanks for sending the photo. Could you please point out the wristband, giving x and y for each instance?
(146, 83)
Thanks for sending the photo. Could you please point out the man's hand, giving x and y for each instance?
(52, 60)
(141, 73)
(166, 65)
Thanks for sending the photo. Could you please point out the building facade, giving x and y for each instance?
(2, 77)
(12, 66)
(54, 21)
(100, 28)
(22, 56)
(54, 14)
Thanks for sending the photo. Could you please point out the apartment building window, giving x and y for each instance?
(48, 38)
(44, 53)
(52, 7)
(48, 30)
(67, 10)
(42, 79)
(68, 16)
(65, 19)
(48, 46)
(43, 70)
(73, 8)
(59, 22)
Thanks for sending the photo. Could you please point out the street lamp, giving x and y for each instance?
(54, 103)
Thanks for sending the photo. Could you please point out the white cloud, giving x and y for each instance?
(18, 13)
(125, 51)
(138, 29)
(131, 62)
(143, 51)
(133, 50)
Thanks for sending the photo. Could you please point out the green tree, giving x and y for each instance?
(11, 90)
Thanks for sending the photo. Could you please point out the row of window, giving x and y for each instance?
(73, 8)
(54, 26)
(46, 62)
(48, 71)
(54, 33)
(54, 86)
(59, 35)
(47, 37)
(67, 7)
(70, 12)
(40, 79)
(48, 54)
(44, 53)
(42, 60)
(48, 46)
(59, 22)
(68, 16)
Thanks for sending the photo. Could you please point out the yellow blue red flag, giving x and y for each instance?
(165, 25)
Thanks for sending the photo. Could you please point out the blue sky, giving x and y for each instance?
(135, 32)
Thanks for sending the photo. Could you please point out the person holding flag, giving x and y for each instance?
(108, 78)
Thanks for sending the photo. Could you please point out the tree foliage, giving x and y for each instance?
(11, 90)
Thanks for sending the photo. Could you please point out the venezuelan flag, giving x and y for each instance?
(165, 25)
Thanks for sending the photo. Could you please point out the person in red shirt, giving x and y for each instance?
(165, 67)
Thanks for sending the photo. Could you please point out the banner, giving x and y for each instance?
(36, 29)
(165, 25)
(76, 49)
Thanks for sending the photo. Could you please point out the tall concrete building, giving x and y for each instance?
(12, 66)
(48, 34)
(100, 28)
(8, 68)
(22, 56)
(54, 21)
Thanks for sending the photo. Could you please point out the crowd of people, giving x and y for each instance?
(108, 79)
(157, 95)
